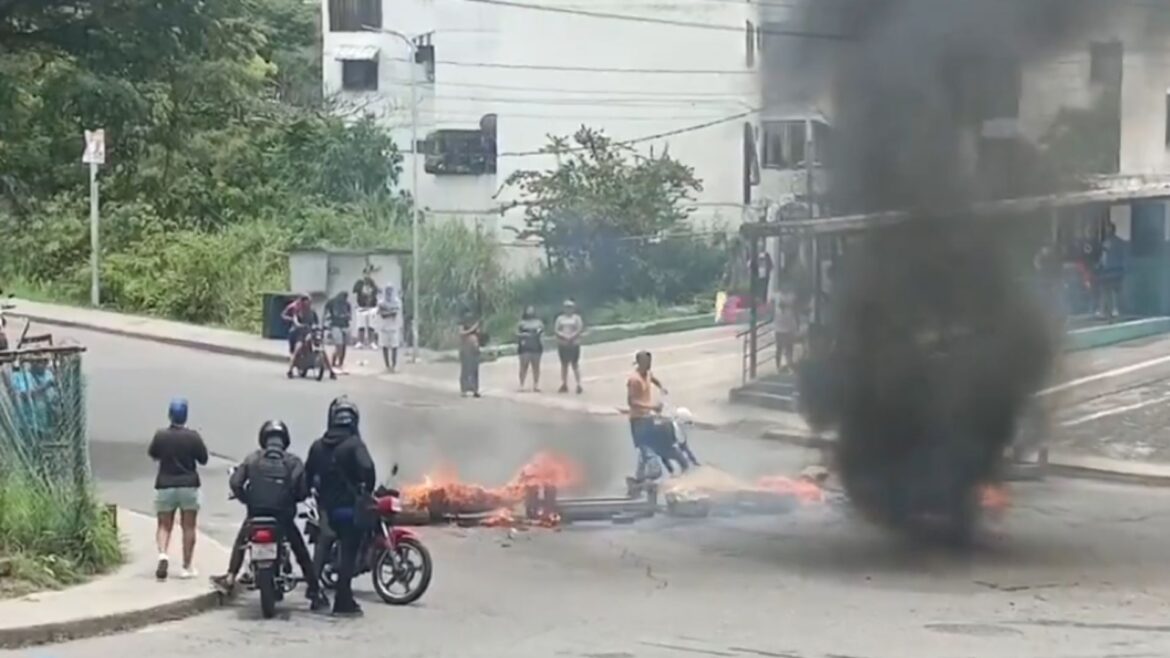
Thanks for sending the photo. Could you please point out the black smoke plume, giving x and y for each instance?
(935, 340)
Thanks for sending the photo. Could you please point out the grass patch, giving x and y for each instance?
(51, 538)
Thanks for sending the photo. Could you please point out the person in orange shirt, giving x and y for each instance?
(643, 409)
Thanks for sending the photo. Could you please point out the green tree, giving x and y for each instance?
(613, 223)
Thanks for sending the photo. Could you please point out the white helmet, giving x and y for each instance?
(684, 415)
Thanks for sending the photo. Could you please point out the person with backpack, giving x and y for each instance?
(343, 472)
(271, 481)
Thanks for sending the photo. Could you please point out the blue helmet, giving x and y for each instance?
(177, 412)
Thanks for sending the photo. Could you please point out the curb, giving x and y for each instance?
(201, 345)
(1072, 470)
(1066, 467)
(54, 632)
(77, 629)
(603, 334)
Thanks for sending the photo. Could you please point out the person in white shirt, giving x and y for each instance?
(390, 329)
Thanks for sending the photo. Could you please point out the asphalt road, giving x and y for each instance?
(1076, 569)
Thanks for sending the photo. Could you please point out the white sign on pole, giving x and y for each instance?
(95, 147)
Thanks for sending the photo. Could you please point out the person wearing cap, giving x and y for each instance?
(179, 451)
(568, 327)
(643, 409)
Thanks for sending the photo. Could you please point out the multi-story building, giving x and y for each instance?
(495, 79)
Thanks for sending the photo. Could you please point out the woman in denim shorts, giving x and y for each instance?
(179, 452)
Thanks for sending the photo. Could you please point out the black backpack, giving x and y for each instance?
(270, 485)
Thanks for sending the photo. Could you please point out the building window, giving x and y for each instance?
(354, 15)
(1105, 62)
(462, 152)
(359, 75)
(784, 144)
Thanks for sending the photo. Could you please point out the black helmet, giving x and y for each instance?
(277, 428)
(343, 413)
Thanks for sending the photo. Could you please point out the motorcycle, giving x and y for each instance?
(672, 443)
(311, 354)
(270, 569)
(394, 556)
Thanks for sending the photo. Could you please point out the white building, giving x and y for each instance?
(682, 75)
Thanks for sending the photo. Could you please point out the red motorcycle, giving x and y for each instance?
(399, 563)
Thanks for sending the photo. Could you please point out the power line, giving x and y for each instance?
(583, 69)
(593, 102)
(638, 140)
(631, 92)
(773, 31)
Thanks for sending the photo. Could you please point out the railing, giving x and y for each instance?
(765, 348)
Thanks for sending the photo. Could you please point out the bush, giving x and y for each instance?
(52, 538)
(461, 269)
(204, 278)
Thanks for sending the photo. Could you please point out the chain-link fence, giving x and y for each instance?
(42, 418)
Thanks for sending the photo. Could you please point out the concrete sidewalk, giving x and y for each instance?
(128, 598)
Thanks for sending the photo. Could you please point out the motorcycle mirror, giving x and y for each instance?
(394, 469)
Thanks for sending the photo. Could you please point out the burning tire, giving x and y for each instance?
(412, 570)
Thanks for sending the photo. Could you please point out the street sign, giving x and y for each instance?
(95, 147)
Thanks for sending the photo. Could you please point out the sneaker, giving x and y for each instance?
(160, 571)
(580, 390)
(188, 573)
(563, 389)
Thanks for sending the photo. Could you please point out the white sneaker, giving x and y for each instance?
(187, 574)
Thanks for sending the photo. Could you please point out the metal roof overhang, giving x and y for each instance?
(355, 53)
(852, 223)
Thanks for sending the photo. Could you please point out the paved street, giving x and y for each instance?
(1077, 569)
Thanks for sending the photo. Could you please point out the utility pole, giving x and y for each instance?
(416, 208)
(94, 156)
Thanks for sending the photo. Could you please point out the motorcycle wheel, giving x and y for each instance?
(266, 583)
(423, 570)
(320, 366)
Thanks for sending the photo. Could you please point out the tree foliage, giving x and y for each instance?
(221, 153)
(613, 223)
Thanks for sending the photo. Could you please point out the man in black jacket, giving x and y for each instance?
(271, 481)
(343, 471)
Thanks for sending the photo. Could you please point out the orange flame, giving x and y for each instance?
(443, 492)
(994, 499)
(805, 490)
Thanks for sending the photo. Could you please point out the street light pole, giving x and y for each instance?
(415, 283)
(415, 207)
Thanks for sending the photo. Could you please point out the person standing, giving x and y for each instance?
(469, 345)
(390, 329)
(786, 318)
(763, 273)
(1111, 272)
(640, 398)
(569, 327)
(179, 451)
(340, 465)
(530, 346)
(365, 292)
(338, 317)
